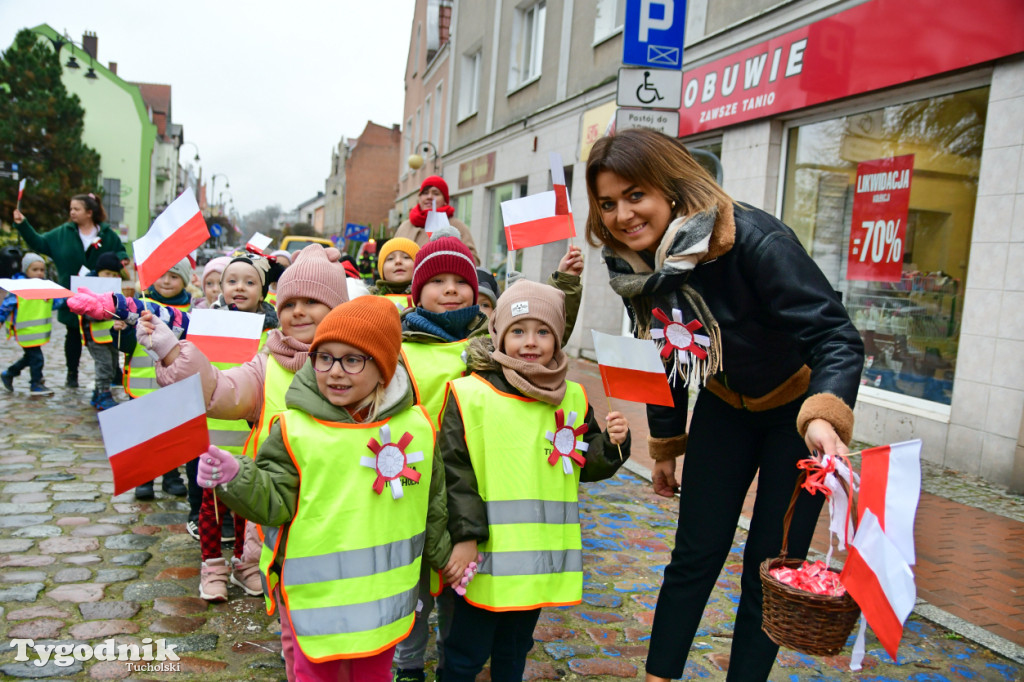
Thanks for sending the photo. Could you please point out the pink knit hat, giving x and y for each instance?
(216, 265)
(312, 275)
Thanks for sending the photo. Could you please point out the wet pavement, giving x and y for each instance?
(80, 566)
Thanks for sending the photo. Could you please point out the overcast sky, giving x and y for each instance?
(264, 88)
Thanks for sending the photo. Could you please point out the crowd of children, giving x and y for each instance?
(367, 413)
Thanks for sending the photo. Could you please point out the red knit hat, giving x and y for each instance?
(369, 323)
(438, 182)
(439, 256)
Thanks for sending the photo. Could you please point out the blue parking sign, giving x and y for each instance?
(654, 33)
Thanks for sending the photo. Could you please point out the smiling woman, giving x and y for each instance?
(777, 377)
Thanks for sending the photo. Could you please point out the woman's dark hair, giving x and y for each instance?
(93, 205)
(656, 161)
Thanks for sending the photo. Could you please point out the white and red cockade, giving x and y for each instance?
(391, 462)
(566, 443)
(683, 340)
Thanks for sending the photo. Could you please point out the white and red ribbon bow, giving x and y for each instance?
(683, 340)
(566, 443)
(391, 462)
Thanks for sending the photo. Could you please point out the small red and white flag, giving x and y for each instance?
(147, 437)
(435, 219)
(226, 335)
(882, 584)
(173, 235)
(34, 289)
(97, 285)
(540, 218)
(631, 369)
(21, 189)
(258, 244)
(876, 570)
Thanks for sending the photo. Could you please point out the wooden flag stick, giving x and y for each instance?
(621, 458)
(216, 513)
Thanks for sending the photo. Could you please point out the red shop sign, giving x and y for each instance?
(880, 203)
(875, 45)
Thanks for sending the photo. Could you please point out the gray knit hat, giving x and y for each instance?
(182, 269)
(30, 258)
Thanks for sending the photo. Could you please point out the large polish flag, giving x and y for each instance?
(34, 289)
(881, 582)
(174, 234)
(540, 218)
(226, 335)
(631, 369)
(877, 572)
(148, 436)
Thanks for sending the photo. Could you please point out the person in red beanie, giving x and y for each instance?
(434, 191)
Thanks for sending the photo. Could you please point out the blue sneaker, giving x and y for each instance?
(104, 401)
(39, 389)
(92, 400)
(7, 380)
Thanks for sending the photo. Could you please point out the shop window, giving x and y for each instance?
(463, 204)
(709, 156)
(495, 255)
(884, 203)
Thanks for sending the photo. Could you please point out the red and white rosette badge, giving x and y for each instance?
(391, 462)
(565, 440)
(681, 339)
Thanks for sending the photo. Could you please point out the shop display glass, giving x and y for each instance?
(884, 203)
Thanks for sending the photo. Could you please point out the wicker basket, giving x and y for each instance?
(813, 624)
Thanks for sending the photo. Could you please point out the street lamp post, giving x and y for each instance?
(416, 160)
(199, 179)
(58, 44)
(213, 184)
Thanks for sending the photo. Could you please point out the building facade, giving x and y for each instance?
(424, 129)
(334, 190)
(118, 127)
(370, 170)
(164, 169)
(886, 133)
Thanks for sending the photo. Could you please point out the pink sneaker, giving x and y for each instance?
(246, 574)
(213, 580)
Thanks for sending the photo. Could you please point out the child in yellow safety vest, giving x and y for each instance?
(349, 473)
(517, 439)
(395, 262)
(30, 322)
(255, 391)
(100, 339)
(435, 336)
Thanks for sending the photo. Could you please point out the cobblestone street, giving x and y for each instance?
(79, 565)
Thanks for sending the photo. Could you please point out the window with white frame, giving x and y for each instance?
(435, 133)
(470, 84)
(527, 45)
(609, 16)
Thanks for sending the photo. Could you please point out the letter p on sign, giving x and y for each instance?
(647, 22)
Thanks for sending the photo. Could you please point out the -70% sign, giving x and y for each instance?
(880, 234)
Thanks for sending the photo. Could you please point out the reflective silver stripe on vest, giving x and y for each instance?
(540, 562)
(19, 324)
(351, 618)
(532, 511)
(140, 361)
(228, 438)
(33, 337)
(270, 536)
(137, 382)
(354, 563)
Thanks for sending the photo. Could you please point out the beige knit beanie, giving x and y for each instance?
(526, 300)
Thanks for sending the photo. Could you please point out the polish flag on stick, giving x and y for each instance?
(21, 191)
(877, 572)
(258, 244)
(148, 436)
(435, 219)
(226, 335)
(34, 289)
(173, 235)
(631, 369)
(540, 218)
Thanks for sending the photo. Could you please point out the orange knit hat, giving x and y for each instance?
(369, 323)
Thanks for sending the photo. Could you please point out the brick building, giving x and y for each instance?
(371, 167)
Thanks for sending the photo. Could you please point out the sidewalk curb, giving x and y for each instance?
(961, 627)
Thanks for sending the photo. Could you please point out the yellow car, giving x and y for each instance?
(291, 244)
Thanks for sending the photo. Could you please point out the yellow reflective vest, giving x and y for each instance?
(33, 322)
(431, 366)
(99, 331)
(533, 557)
(141, 377)
(401, 301)
(352, 558)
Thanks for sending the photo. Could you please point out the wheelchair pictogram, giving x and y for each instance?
(646, 92)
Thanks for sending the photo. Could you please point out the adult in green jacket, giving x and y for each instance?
(77, 243)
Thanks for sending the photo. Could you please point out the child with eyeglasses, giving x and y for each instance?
(352, 452)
